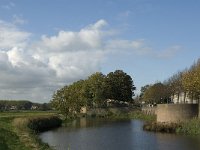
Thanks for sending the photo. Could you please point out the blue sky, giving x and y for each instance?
(47, 44)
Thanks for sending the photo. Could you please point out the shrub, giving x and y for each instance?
(161, 127)
(40, 124)
(191, 127)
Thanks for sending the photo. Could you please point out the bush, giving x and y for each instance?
(40, 124)
(191, 127)
(161, 127)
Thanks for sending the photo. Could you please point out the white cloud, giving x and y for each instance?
(138, 47)
(34, 70)
(46, 65)
(11, 36)
(86, 39)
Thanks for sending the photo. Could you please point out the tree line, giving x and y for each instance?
(6, 105)
(186, 81)
(93, 92)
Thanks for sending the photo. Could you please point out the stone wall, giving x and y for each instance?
(149, 110)
(105, 111)
(176, 112)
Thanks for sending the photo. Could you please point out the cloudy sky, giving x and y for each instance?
(46, 45)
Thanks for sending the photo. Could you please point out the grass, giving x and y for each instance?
(161, 127)
(191, 127)
(132, 115)
(14, 133)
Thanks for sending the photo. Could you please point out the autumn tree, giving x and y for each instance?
(191, 80)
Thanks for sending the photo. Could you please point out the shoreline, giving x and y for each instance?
(17, 132)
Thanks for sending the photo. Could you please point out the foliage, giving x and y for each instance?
(161, 127)
(69, 99)
(22, 105)
(93, 92)
(191, 127)
(42, 123)
(191, 80)
(156, 93)
(95, 87)
(143, 90)
(175, 83)
(16, 135)
(186, 81)
(119, 86)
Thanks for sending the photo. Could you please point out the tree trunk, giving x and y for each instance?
(178, 98)
(184, 97)
(192, 97)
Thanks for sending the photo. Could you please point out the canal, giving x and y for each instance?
(101, 134)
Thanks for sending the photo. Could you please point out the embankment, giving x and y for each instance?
(19, 130)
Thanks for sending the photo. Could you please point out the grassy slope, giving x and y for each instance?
(132, 115)
(12, 137)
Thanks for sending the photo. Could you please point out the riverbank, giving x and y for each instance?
(133, 115)
(18, 130)
(191, 127)
(119, 113)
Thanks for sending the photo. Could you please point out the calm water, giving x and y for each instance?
(95, 134)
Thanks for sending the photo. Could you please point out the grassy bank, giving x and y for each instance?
(131, 115)
(191, 127)
(18, 130)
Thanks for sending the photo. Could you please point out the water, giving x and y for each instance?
(98, 134)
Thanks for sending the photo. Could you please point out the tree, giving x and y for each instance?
(95, 86)
(119, 86)
(93, 92)
(175, 84)
(191, 80)
(157, 93)
(69, 99)
(143, 90)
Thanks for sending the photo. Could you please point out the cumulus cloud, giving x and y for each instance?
(11, 36)
(34, 70)
(49, 63)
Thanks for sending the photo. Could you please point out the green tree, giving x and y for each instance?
(119, 86)
(70, 99)
(157, 93)
(143, 90)
(95, 87)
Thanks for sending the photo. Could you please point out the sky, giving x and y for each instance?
(45, 45)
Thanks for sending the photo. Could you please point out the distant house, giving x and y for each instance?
(34, 107)
(183, 98)
(13, 107)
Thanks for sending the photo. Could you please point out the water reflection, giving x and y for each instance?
(101, 134)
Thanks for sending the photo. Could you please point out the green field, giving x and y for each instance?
(14, 135)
